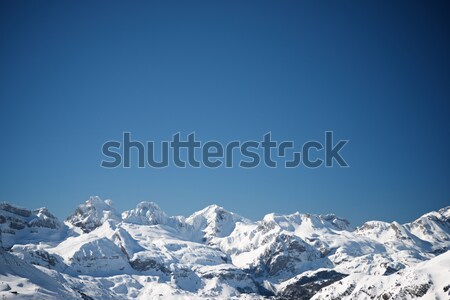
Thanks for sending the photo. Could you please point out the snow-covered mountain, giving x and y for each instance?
(143, 253)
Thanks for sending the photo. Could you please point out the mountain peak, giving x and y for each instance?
(145, 213)
(211, 209)
(445, 211)
(214, 221)
(93, 213)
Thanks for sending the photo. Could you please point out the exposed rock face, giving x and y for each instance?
(44, 219)
(27, 225)
(145, 213)
(20, 218)
(305, 287)
(287, 254)
(140, 264)
(92, 214)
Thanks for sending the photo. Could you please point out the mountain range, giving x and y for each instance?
(142, 253)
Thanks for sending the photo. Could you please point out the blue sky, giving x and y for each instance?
(76, 74)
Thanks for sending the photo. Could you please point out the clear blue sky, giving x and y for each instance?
(74, 74)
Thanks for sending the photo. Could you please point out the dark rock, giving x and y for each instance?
(148, 264)
(306, 286)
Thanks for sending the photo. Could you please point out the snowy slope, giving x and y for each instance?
(22, 280)
(143, 253)
(426, 280)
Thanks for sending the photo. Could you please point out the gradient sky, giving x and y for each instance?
(74, 74)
